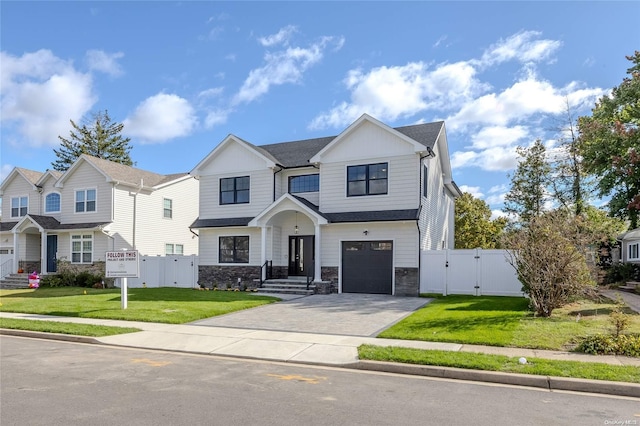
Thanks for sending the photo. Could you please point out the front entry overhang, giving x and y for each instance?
(285, 203)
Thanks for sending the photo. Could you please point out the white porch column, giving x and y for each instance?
(16, 252)
(263, 251)
(43, 252)
(318, 269)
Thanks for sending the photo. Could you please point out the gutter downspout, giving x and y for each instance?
(135, 208)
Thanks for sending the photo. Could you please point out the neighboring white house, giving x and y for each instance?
(94, 207)
(354, 210)
(630, 246)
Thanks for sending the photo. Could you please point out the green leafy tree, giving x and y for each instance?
(474, 227)
(100, 138)
(610, 145)
(528, 194)
(549, 255)
(570, 184)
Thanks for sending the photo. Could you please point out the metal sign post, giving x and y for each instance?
(122, 264)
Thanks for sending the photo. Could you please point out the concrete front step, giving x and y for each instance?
(276, 291)
(287, 286)
(15, 281)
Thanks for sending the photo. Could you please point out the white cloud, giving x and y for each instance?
(494, 159)
(211, 93)
(493, 136)
(281, 67)
(216, 117)
(160, 118)
(524, 46)
(281, 37)
(473, 190)
(99, 60)
(40, 93)
(388, 93)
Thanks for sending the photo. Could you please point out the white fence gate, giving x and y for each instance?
(166, 271)
(476, 272)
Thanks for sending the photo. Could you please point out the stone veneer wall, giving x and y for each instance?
(224, 276)
(329, 276)
(280, 272)
(407, 282)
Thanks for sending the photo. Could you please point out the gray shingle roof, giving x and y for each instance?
(7, 226)
(51, 223)
(219, 223)
(130, 175)
(298, 153)
(373, 216)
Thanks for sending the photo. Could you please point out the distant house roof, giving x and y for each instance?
(31, 175)
(7, 226)
(51, 223)
(634, 234)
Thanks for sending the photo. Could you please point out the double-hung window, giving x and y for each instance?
(167, 208)
(52, 203)
(234, 190)
(234, 250)
(367, 179)
(19, 206)
(174, 249)
(82, 248)
(85, 200)
(634, 251)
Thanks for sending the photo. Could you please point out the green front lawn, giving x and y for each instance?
(475, 361)
(90, 330)
(505, 321)
(163, 305)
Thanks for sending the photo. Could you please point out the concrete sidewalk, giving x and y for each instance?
(330, 350)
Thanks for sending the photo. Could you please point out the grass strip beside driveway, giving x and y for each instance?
(162, 305)
(501, 363)
(90, 330)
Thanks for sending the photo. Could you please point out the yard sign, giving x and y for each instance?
(122, 264)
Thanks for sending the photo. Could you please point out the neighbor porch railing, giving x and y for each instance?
(268, 266)
(6, 268)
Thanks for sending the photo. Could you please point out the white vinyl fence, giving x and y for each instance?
(166, 271)
(476, 272)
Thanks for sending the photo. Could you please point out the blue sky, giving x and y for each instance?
(183, 75)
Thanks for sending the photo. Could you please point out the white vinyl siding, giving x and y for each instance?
(85, 176)
(210, 244)
(437, 212)
(403, 189)
(18, 187)
(403, 234)
(261, 196)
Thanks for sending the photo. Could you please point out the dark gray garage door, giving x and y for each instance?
(367, 267)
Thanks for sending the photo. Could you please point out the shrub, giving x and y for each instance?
(607, 344)
(67, 278)
(622, 272)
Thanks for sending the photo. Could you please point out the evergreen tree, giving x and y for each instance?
(100, 138)
(528, 194)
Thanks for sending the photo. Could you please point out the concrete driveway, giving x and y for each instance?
(343, 314)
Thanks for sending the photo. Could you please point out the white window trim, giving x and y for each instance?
(75, 191)
(11, 205)
(164, 208)
(81, 248)
(59, 206)
(635, 243)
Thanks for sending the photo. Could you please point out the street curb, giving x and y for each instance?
(50, 336)
(530, 380)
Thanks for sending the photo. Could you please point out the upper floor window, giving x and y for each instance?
(52, 203)
(234, 190)
(304, 183)
(234, 250)
(425, 182)
(634, 251)
(19, 206)
(85, 200)
(174, 249)
(368, 179)
(168, 208)
(82, 248)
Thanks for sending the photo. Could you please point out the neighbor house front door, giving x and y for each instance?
(52, 249)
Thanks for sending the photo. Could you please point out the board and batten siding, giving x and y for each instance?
(209, 244)
(402, 186)
(85, 176)
(403, 234)
(436, 214)
(260, 195)
(154, 231)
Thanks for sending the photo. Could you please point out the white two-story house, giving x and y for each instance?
(353, 210)
(94, 207)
